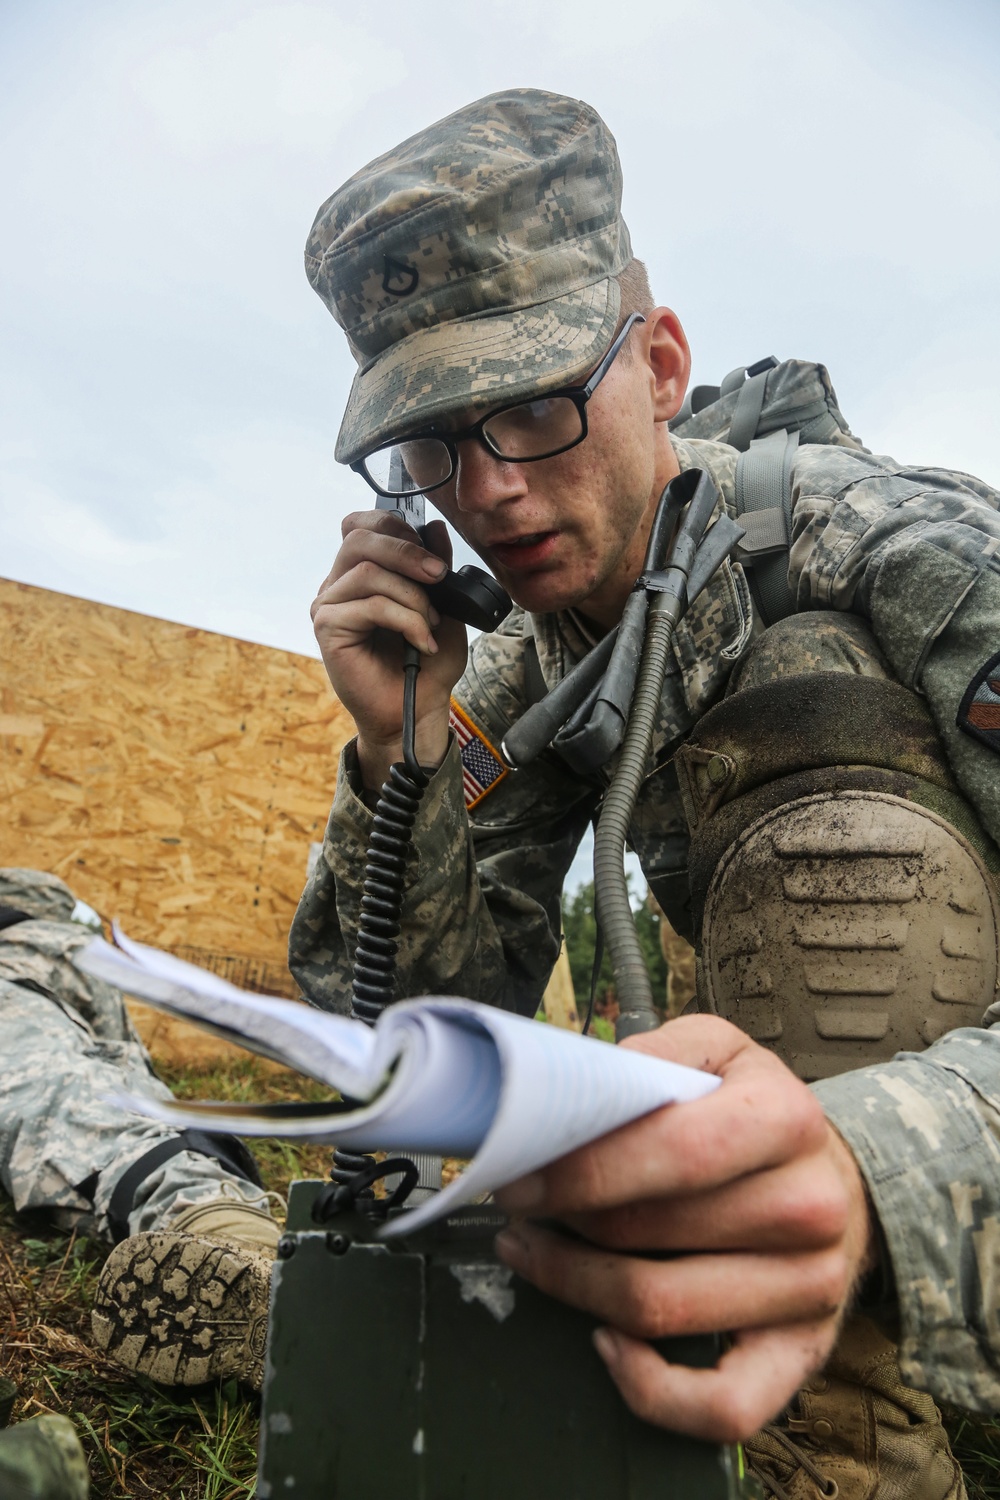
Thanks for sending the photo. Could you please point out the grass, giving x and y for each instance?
(146, 1442)
(976, 1444)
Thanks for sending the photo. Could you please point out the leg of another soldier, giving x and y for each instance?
(64, 1146)
(195, 1223)
(849, 910)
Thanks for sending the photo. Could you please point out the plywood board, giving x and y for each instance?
(174, 777)
(559, 1000)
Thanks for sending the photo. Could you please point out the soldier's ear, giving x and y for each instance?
(669, 361)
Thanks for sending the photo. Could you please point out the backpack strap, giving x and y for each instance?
(752, 386)
(764, 509)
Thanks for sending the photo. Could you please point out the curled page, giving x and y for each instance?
(442, 1075)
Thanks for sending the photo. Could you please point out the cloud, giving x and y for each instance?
(277, 76)
(66, 531)
(943, 414)
(800, 182)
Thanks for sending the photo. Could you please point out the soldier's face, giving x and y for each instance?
(571, 530)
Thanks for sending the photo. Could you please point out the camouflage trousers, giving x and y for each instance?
(815, 641)
(60, 1127)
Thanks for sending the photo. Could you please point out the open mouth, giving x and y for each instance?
(533, 547)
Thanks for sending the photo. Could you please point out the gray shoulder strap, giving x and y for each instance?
(764, 509)
(749, 403)
(751, 384)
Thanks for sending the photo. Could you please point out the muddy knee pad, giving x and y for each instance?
(845, 892)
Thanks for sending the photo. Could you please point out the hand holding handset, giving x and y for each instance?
(471, 595)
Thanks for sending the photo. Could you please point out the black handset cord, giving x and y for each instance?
(385, 865)
(381, 914)
(472, 596)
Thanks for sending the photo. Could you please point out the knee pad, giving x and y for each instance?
(850, 909)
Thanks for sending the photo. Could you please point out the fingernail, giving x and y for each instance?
(433, 616)
(518, 1197)
(432, 645)
(511, 1247)
(606, 1344)
(434, 567)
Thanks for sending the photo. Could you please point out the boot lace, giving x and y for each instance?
(827, 1487)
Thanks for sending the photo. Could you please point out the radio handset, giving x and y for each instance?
(471, 595)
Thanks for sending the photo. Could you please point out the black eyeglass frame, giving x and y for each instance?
(578, 394)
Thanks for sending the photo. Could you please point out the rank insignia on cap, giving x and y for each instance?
(399, 279)
(482, 768)
(979, 713)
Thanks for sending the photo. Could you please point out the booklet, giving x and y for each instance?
(446, 1076)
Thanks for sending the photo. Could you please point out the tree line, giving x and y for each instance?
(580, 930)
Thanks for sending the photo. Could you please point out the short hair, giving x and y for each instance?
(637, 297)
(635, 289)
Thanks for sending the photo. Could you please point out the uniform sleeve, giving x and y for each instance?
(917, 551)
(925, 1131)
(482, 909)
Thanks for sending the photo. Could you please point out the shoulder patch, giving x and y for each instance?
(482, 766)
(979, 711)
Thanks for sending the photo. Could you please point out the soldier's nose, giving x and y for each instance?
(483, 481)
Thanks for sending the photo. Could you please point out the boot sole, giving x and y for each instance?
(184, 1310)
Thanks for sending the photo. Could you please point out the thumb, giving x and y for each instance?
(436, 539)
(706, 1042)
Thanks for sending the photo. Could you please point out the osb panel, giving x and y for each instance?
(559, 1000)
(175, 778)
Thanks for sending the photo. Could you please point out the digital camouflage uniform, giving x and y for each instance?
(476, 265)
(183, 1295)
(910, 553)
(67, 1044)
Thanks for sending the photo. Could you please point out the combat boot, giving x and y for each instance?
(855, 1431)
(189, 1303)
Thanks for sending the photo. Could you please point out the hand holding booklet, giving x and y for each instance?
(440, 1075)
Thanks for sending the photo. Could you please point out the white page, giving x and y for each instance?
(329, 1048)
(558, 1091)
(441, 1096)
(469, 1080)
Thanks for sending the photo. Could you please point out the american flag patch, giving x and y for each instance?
(482, 768)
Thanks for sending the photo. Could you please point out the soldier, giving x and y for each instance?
(820, 815)
(192, 1230)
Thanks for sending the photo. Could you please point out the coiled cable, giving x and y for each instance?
(378, 929)
(385, 866)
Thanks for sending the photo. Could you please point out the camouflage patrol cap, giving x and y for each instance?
(41, 895)
(474, 263)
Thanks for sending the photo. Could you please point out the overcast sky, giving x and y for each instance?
(802, 178)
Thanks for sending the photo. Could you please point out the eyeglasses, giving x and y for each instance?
(520, 434)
